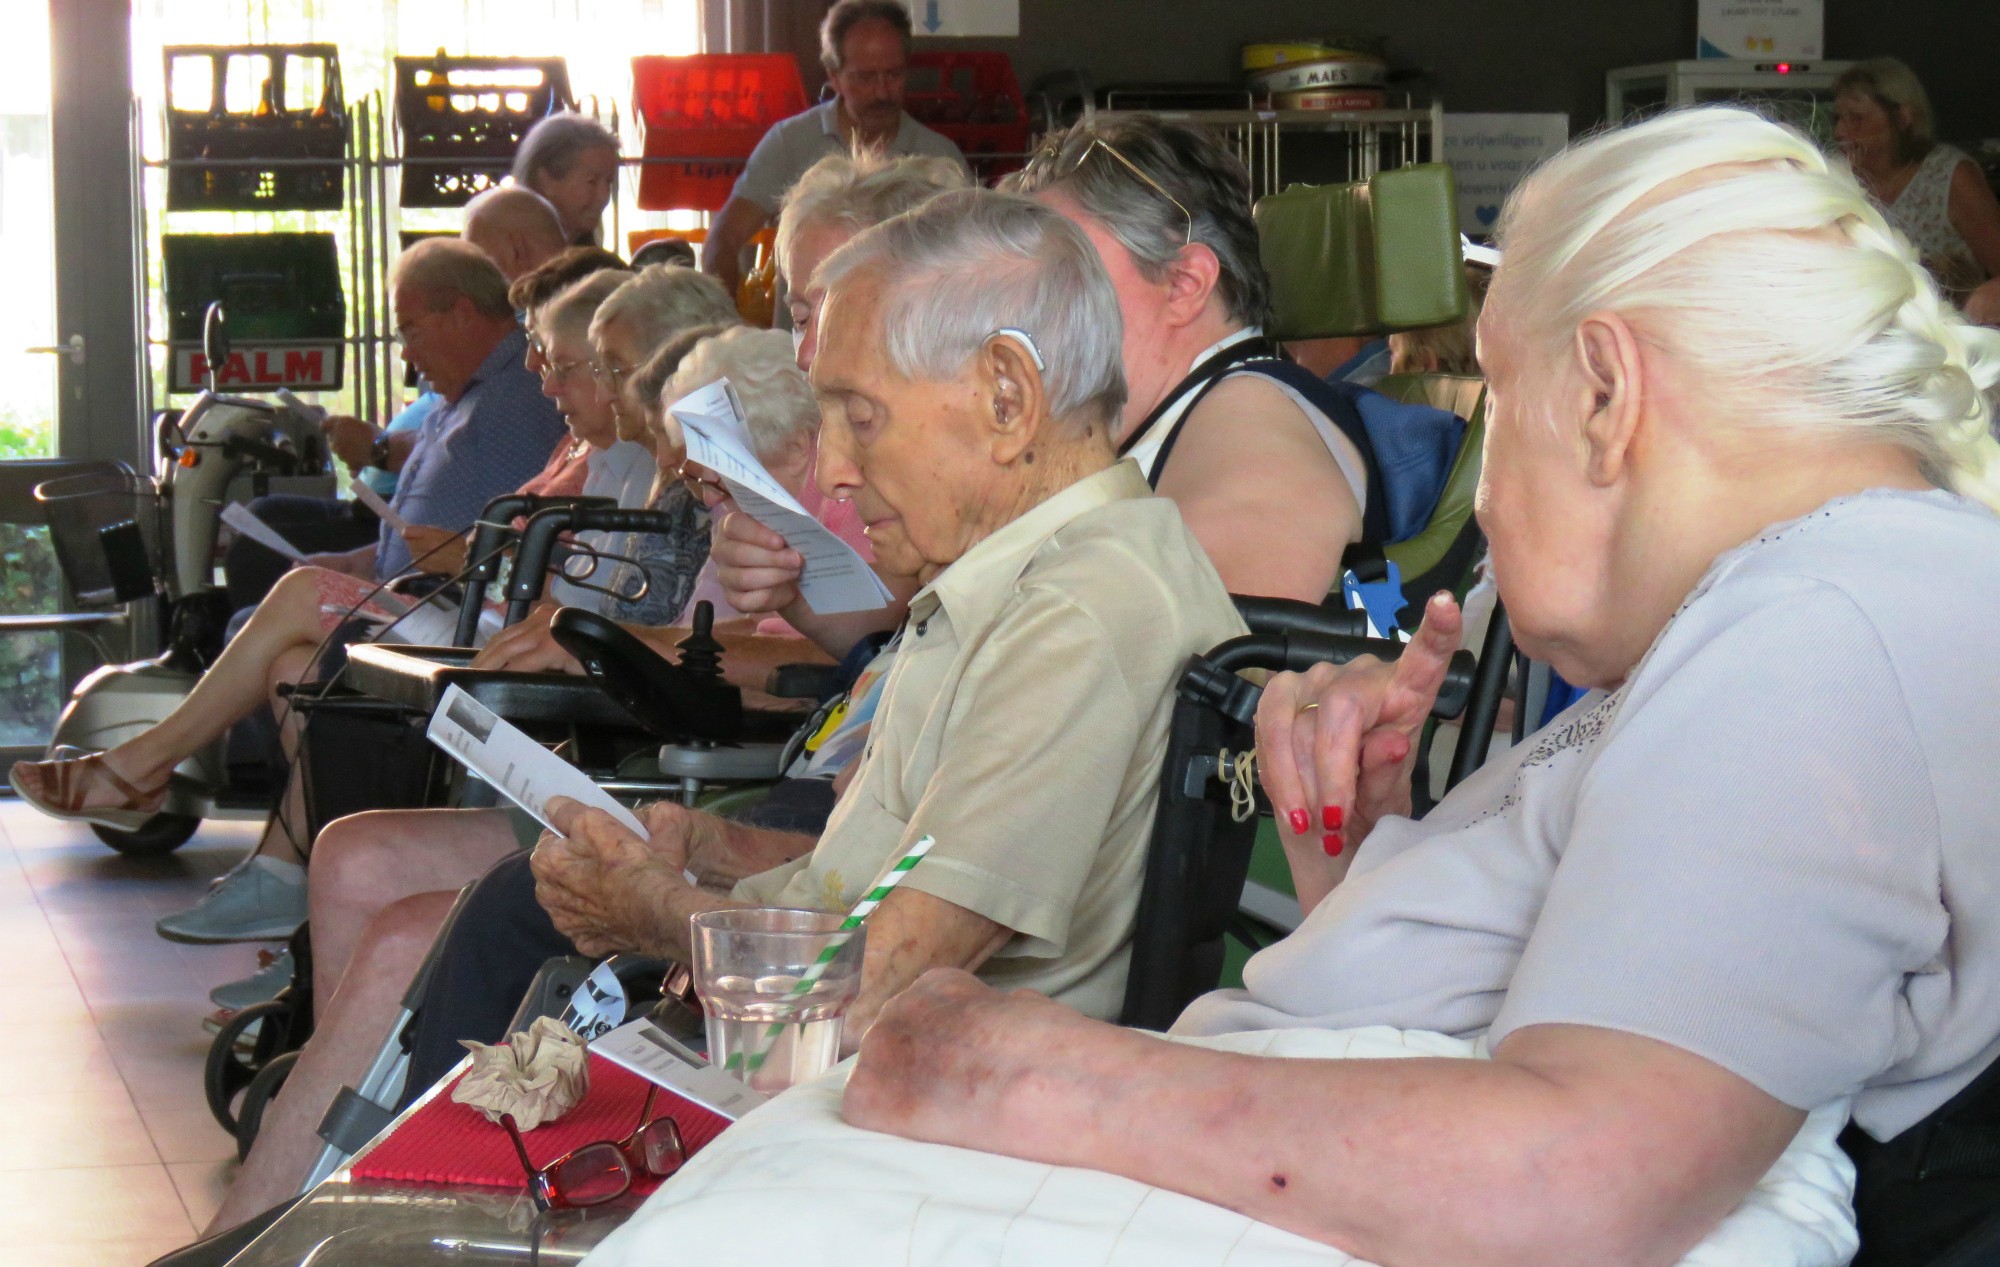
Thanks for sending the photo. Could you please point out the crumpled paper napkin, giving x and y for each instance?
(536, 1076)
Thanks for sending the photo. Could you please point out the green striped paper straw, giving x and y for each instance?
(812, 974)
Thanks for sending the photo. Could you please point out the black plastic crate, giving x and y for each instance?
(462, 118)
(284, 151)
(283, 295)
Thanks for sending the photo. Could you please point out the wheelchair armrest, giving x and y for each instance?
(1212, 679)
(1290, 616)
(804, 681)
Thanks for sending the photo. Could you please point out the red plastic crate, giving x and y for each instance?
(975, 100)
(709, 106)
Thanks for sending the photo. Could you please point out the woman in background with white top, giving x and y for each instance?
(1932, 193)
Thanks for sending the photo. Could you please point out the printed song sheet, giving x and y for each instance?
(835, 577)
(524, 771)
(238, 516)
(373, 500)
(646, 1050)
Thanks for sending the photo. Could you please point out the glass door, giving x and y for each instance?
(30, 664)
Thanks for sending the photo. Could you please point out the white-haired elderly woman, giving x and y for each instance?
(571, 160)
(658, 303)
(1737, 478)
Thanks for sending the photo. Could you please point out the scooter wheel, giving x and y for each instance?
(257, 1097)
(160, 834)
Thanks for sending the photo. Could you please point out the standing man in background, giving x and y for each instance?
(865, 47)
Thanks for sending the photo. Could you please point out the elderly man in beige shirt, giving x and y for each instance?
(969, 372)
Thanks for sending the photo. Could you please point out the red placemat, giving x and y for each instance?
(444, 1142)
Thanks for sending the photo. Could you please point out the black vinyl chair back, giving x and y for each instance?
(1199, 855)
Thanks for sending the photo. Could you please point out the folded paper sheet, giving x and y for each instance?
(835, 578)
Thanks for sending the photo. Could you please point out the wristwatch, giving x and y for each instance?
(378, 452)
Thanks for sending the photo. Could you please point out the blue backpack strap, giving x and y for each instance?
(1338, 403)
(1409, 448)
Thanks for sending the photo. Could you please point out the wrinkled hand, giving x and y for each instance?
(1334, 742)
(352, 440)
(758, 571)
(449, 547)
(527, 646)
(593, 876)
(950, 1060)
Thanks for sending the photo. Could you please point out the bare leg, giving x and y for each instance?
(353, 1026)
(364, 862)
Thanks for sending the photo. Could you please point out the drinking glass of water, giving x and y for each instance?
(774, 1009)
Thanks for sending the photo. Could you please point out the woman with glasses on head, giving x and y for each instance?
(1273, 489)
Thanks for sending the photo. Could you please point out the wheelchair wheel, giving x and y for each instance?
(160, 834)
(258, 1096)
(246, 1043)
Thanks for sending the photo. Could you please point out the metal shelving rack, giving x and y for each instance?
(1374, 139)
(367, 225)
(362, 226)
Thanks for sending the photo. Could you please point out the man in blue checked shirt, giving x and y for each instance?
(495, 430)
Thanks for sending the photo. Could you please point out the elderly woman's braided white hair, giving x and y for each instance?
(1748, 255)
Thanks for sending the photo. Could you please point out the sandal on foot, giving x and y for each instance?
(64, 788)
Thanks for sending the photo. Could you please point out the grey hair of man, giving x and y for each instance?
(974, 263)
(553, 146)
(661, 300)
(1193, 168)
(445, 270)
(853, 192)
(568, 314)
(848, 14)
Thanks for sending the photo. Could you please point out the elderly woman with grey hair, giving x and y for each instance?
(1273, 488)
(1641, 970)
(571, 160)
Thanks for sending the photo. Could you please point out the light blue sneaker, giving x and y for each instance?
(263, 901)
(260, 986)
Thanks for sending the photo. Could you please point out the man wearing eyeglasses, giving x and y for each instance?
(865, 47)
(494, 428)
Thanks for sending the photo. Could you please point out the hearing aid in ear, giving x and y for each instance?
(1027, 343)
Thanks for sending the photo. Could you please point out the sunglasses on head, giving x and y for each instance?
(1099, 143)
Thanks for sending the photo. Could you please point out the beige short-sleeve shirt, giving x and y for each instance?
(1024, 726)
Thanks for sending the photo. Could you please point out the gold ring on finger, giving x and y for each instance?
(1308, 708)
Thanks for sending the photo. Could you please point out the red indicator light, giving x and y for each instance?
(1784, 68)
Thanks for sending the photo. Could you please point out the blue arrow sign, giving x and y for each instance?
(931, 22)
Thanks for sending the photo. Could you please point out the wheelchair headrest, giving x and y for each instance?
(1365, 258)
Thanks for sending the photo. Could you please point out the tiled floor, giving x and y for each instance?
(109, 1153)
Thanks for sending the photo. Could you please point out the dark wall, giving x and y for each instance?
(1493, 55)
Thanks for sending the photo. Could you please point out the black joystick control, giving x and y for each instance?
(701, 654)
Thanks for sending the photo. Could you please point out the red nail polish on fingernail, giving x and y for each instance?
(1301, 824)
(1331, 842)
(1331, 817)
